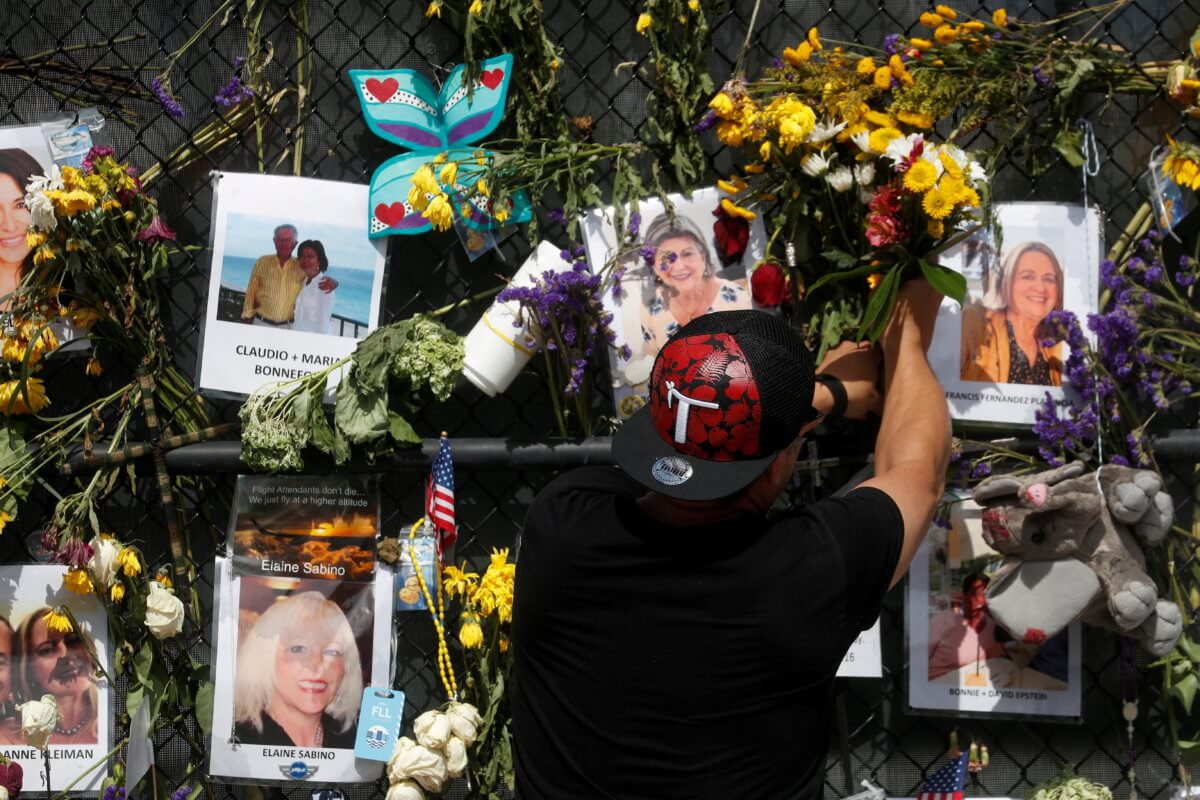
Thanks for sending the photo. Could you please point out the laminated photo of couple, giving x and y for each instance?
(291, 259)
(303, 626)
(38, 658)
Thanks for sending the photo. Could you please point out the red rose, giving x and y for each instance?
(731, 235)
(768, 285)
(10, 778)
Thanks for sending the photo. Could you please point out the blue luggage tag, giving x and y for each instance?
(382, 712)
(408, 593)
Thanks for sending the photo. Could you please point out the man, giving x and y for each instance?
(670, 641)
(276, 281)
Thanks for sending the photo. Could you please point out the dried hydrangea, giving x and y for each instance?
(431, 355)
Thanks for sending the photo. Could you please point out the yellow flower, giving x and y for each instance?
(73, 246)
(916, 119)
(71, 178)
(470, 634)
(457, 582)
(555, 63)
(43, 254)
(93, 367)
(449, 173)
(500, 212)
(865, 66)
(423, 179)
(439, 212)
(882, 137)
(735, 210)
(734, 185)
(128, 560)
(480, 157)
(84, 316)
(1182, 166)
(5, 518)
(731, 133)
(755, 169)
(936, 228)
(417, 199)
(921, 176)
(972, 26)
(440, 158)
(802, 53)
(694, 5)
(476, 8)
(434, 9)
(879, 119)
(945, 34)
(503, 643)
(77, 581)
(938, 202)
(937, 62)
(110, 205)
(883, 78)
(921, 44)
(931, 20)
(722, 105)
(814, 39)
(482, 188)
(950, 165)
(117, 592)
(30, 401)
(946, 12)
(34, 239)
(58, 622)
(70, 203)
(1000, 18)
(164, 578)
(644, 21)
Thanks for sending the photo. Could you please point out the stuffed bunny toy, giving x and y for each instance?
(1070, 539)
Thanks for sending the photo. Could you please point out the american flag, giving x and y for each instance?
(440, 496)
(947, 783)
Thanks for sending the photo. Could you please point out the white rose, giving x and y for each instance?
(103, 562)
(404, 790)
(3, 793)
(411, 760)
(431, 730)
(164, 612)
(38, 720)
(456, 757)
(464, 721)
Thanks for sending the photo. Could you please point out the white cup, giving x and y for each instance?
(498, 348)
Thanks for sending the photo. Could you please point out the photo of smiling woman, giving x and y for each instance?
(58, 664)
(16, 257)
(299, 676)
(1002, 336)
(684, 282)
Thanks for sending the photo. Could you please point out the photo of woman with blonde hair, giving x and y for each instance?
(1002, 338)
(59, 664)
(298, 680)
(10, 722)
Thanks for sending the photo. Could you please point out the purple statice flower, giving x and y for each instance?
(113, 793)
(776, 63)
(74, 553)
(181, 793)
(157, 231)
(706, 122)
(1185, 278)
(556, 216)
(891, 43)
(1153, 273)
(635, 225)
(1056, 433)
(997, 36)
(234, 91)
(1138, 456)
(647, 254)
(617, 275)
(1042, 79)
(981, 470)
(1120, 461)
(1110, 275)
(169, 103)
(1116, 336)
(95, 154)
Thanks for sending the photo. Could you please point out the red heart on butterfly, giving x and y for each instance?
(390, 215)
(491, 79)
(382, 90)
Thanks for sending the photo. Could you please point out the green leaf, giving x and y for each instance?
(361, 415)
(204, 707)
(1189, 649)
(839, 277)
(945, 280)
(400, 430)
(1069, 144)
(143, 663)
(843, 259)
(1185, 692)
(879, 308)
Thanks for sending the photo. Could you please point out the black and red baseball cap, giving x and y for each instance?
(728, 392)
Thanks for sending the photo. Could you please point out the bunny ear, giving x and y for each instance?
(467, 120)
(996, 486)
(389, 212)
(1060, 474)
(400, 106)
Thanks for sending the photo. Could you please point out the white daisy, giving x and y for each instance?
(864, 173)
(815, 165)
(824, 131)
(862, 140)
(841, 179)
(41, 211)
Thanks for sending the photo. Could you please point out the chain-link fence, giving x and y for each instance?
(603, 78)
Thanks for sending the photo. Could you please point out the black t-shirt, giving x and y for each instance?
(660, 662)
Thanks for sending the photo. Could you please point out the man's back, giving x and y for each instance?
(661, 662)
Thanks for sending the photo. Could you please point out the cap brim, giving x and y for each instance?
(636, 447)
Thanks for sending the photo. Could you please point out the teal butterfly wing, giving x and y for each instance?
(466, 120)
(474, 207)
(389, 213)
(400, 106)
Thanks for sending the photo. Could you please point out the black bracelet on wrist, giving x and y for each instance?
(841, 400)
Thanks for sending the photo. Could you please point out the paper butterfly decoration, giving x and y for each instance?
(401, 106)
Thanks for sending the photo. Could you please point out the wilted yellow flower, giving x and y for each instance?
(916, 119)
(43, 254)
(84, 316)
(921, 44)
(734, 210)
(694, 5)
(58, 622)
(1000, 18)
(476, 8)
(945, 34)
(482, 187)
(14, 401)
(722, 105)
(73, 246)
(931, 20)
(946, 12)
(734, 185)
(439, 212)
(814, 39)
(129, 562)
(865, 66)
(117, 592)
(500, 212)
(470, 634)
(883, 78)
(921, 176)
(93, 367)
(755, 169)
(644, 22)
(457, 582)
(882, 137)
(880, 119)
(1182, 164)
(802, 53)
(434, 9)
(424, 181)
(72, 178)
(78, 581)
(504, 644)
(110, 205)
(449, 173)
(972, 26)
(555, 63)
(34, 238)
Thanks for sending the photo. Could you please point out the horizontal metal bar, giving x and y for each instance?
(224, 458)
